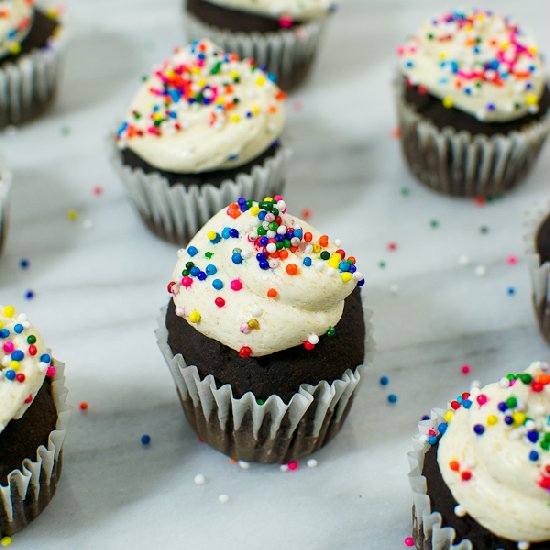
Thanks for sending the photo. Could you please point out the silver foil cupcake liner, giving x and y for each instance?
(428, 531)
(28, 85)
(539, 274)
(175, 213)
(460, 164)
(5, 186)
(274, 432)
(288, 54)
(30, 489)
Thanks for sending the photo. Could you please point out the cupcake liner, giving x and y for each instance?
(30, 489)
(288, 54)
(464, 165)
(5, 186)
(428, 532)
(274, 432)
(28, 85)
(175, 213)
(539, 274)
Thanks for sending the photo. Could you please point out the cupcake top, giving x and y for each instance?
(260, 280)
(24, 363)
(203, 110)
(494, 454)
(478, 62)
(15, 23)
(299, 9)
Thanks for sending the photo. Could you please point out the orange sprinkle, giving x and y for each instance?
(234, 213)
(271, 293)
(292, 269)
(323, 240)
(283, 254)
(454, 465)
(307, 237)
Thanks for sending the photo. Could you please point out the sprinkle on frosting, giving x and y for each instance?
(494, 454)
(478, 62)
(260, 281)
(24, 363)
(15, 22)
(204, 109)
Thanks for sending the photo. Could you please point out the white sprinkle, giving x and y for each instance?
(394, 289)
(244, 465)
(312, 463)
(181, 252)
(459, 511)
(337, 242)
(313, 339)
(199, 479)
(464, 260)
(283, 468)
(257, 311)
(523, 545)
(87, 224)
(480, 270)
(223, 499)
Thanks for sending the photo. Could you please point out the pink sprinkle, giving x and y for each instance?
(97, 190)
(481, 400)
(186, 281)
(285, 22)
(8, 347)
(466, 369)
(292, 466)
(409, 541)
(236, 285)
(50, 373)
(512, 260)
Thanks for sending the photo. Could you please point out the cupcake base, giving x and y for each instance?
(464, 164)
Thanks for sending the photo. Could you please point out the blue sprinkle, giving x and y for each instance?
(217, 284)
(10, 374)
(392, 398)
(298, 233)
(479, 429)
(264, 264)
(534, 456)
(145, 439)
(261, 215)
(194, 271)
(384, 380)
(343, 266)
(211, 269)
(18, 328)
(467, 403)
(4, 333)
(29, 294)
(234, 233)
(45, 358)
(192, 251)
(264, 241)
(226, 232)
(511, 291)
(17, 355)
(236, 258)
(442, 428)
(432, 440)
(201, 276)
(24, 263)
(307, 261)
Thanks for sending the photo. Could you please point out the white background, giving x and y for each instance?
(99, 289)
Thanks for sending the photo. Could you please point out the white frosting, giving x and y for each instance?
(451, 58)
(245, 113)
(503, 493)
(15, 23)
(299, 9)
(14, 392)
(306, 305)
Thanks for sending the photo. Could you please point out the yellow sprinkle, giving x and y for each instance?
(220, 100)
(253, 324)
(346, 277)
(268, 199)
(255, 109)
(52, 13)
(254, 211)
(195, 70)
(448, 102)
(504, 46)
(8, 311)
(532, 99)
(195, 317)
(533, 50)
(235, 117)
(442, 55)
(72, 215)
(1, 325)
(5, 541)
(492, 420)
(335, 260)
(519, 418)
(260, 81)
(316, 248)
(201, 83)
(15, 365)
(15, 48)
(211, 235)
(448, 416)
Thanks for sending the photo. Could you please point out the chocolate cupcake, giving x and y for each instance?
(282, 36)
(472, 104)
(264, 333)
(33, 418)
(481, 470)
(31, 44)
(202, 131)
(5, 185)
(538, 252)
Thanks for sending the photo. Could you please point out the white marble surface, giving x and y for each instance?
(99, 288)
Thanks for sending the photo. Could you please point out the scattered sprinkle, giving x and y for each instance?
(466, 369)
(145, 439)
(312, 463)
(480, 270)
(223, 499)
(72, 215)
(511, 291)
(384, 380)
(83, 406)
(392, 398)
(5, 541)
(199, 479)
(409, 541)
(24, 263)
(29, 294)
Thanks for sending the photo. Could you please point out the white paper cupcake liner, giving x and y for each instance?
(5, 186)
(427, 525)
(288, 54)
(464, 165)
(539, 274)
(31, 488)
(177, 212)
(274, 432)
(28, 85)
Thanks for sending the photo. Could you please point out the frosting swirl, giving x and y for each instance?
(478, 62)
(303, 10)
(494, 455)
(15, 23)
(203, 110)
(260, 280)
(24, 363)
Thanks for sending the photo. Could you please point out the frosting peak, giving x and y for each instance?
(203, 110)
(302, 10)
(15, 22)
(478, 62)
(494, 455)
(24, 363)
(260, 280)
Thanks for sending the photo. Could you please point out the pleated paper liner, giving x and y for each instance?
(288, 54)
(176, 212)
(30, 489)
(460, 164)
(274, 432)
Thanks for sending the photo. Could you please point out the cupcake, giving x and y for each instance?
(264, 333)
(282, 36)
(30, 48)
(33, 418)
(5, 184)
(538, 251)
(481, 470)
(203, 130)
(472, 104)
